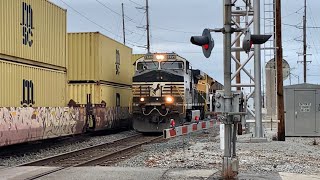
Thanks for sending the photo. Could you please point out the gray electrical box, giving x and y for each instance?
(302, 110)
(236, 102)
(219, 105)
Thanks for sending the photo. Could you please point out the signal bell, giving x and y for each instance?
(205, 41)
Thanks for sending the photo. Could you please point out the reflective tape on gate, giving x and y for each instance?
(186, 129)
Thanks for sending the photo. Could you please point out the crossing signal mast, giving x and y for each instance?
(227, 112)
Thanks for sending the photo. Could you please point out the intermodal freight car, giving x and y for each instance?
(100, 78)
(45, 94)
(165, 88)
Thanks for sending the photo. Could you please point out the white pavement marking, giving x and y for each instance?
(294, 176)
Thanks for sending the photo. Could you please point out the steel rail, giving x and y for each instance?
(81, 156)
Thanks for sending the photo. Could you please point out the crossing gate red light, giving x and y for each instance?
(172, 123)
(197, 119)
(206, 46)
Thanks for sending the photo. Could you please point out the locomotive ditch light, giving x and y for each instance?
(169, 99)
(142, 99)
(205, 41)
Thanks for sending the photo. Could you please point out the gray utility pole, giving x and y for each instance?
(304, 54)
(257, 71)
(305, 42)
(227, 158)
(123, 27)
(148, 29)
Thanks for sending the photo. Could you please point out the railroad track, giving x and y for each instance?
(28, 148)
(101, 155)
(20, 150)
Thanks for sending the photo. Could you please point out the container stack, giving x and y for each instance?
(32, 54)
(100, 75)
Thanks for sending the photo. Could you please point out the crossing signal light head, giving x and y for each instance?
(247, 43)
(250, 39)
(205, 41)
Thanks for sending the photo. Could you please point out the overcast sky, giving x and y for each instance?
(172, 22)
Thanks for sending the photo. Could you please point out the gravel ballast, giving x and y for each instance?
(201, 150)
(59, 148)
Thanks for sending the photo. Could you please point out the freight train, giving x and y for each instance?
(166, 89)
(57, 84)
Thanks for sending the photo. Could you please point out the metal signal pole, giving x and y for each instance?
(227, 171)
(281, 124)
(257, 72)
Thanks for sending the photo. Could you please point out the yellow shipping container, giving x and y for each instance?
(24, 85)
(99, 93)
(95, 57)
(33, 32)
(135, 57)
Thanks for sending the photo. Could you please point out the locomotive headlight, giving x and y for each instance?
(142, 99)
(169, 99)
(160, 57)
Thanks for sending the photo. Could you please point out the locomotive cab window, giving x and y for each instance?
(147, 65)
(171, 65)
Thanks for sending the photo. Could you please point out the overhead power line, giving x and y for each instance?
(135, 3)
(88, 18)
(174, 30)
(313, 27)
(130, 19)
(292, 25)
(117, 35)
(93, 22)
(104, 5)
(296, 12)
